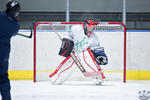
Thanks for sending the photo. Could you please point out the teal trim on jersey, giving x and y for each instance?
(69, 30)
(98, 43)
(80, 44)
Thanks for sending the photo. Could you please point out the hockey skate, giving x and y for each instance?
(99, 80)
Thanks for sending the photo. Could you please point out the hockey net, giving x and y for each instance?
(112, 36)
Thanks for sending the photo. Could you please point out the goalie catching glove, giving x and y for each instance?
(66, 47)
(100, 56)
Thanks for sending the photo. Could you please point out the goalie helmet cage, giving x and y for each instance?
(45, 27)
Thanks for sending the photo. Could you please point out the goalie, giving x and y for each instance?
(83, 43)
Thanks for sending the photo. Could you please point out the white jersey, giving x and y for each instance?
(82, 41)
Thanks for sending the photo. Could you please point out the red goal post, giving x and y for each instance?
(110, 26)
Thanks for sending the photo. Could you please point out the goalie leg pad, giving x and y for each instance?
(66, 47)
(63, 73)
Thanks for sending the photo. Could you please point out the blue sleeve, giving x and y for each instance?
(8, 25)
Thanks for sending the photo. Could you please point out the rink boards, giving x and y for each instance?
(48, 44)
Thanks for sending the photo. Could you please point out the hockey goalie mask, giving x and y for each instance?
(89, 27)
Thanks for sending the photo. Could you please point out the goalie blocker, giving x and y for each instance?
(66, 47)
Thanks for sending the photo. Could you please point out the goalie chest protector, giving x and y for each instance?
(66, 47)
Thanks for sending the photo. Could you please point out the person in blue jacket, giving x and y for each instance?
(8, 27)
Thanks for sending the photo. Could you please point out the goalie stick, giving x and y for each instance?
(79, 65)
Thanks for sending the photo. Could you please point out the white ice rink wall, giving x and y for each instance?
(138, 55)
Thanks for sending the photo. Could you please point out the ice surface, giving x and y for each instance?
(77, 90)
